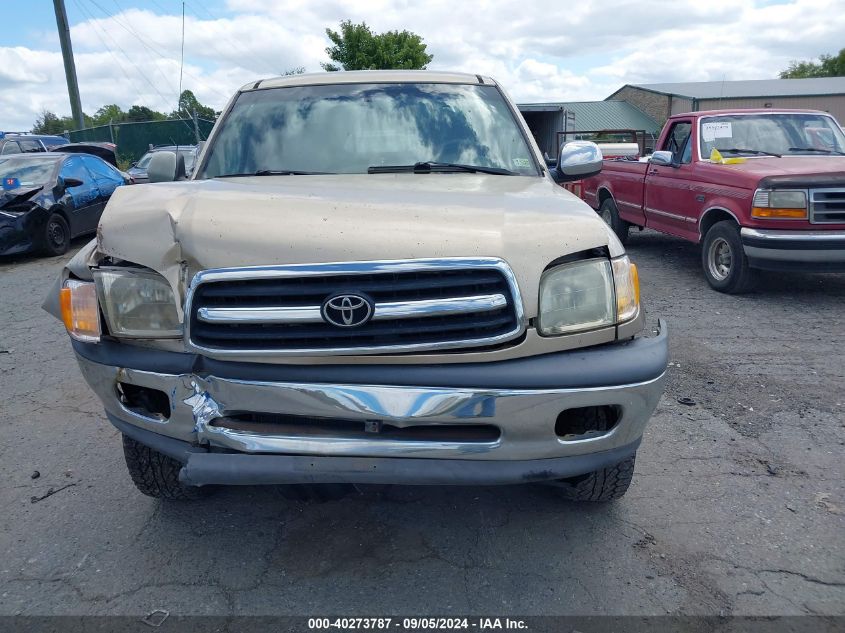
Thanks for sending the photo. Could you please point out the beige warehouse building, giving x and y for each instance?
(660, 101)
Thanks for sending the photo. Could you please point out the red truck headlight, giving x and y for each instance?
(779, 204)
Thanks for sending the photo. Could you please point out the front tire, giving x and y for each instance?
(610, 214)
(723, 260)
(56, 235)
(605, 484)
(155, 474)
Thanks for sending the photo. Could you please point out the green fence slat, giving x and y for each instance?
(133, 139)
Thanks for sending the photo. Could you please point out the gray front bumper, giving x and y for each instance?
(807, 251)
(527, 449)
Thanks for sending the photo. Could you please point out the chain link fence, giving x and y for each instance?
(133, 139)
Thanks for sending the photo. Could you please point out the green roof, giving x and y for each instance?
(600, 115)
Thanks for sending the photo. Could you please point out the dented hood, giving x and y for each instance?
(181, 228)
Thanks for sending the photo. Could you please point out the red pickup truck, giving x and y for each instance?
(771, 197)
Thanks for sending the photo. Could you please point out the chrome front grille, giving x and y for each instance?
(415, 305)
(827, 206)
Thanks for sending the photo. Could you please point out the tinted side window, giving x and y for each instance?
(677, 142)
(73, 168)
(100, 169)
(30, 146)
(11, 147)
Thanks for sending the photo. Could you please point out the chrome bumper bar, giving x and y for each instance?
(795, 250)
(526, 418)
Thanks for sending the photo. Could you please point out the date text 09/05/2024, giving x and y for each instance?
(422, 623)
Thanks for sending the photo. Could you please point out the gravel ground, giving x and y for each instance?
(737, 506)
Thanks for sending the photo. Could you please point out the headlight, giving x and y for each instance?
(588, 294)
(80, 314)
(137, 303)
(779, 204)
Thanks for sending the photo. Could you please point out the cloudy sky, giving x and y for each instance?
(127, 51)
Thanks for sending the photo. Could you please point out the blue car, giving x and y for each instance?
(49, 198)
(20, 143)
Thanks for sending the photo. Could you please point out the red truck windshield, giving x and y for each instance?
(792, 134)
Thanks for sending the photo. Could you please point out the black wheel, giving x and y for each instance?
(606, 484)
(723, 260)
(610, 214)
(155, 474)
(56, 235)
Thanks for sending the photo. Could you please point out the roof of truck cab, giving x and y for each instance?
(369, 76)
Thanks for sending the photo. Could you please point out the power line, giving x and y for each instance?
(182, 60)
(234, 43)
(149, 47)
(97, 30)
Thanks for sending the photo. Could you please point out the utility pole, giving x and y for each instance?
(70, 67)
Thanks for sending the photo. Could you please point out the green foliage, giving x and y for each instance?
(356, 47)
(50, 123)
(111, 112)
(143, 113)
(828, 66)
(296, 70)
(188, 103)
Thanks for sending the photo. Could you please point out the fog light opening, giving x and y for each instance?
(150, 403)
(586, 422)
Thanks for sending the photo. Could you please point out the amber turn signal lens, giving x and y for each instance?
(773, 214)
(80, 313)
(627, 281)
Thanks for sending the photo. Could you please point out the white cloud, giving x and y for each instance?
(540, 51)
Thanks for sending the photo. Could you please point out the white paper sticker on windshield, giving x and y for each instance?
(521, 162)
(712, 130)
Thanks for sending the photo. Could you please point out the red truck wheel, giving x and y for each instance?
(610, 214)
(723, 260)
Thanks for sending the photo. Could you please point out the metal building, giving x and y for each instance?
(546, 120)
(662, 100)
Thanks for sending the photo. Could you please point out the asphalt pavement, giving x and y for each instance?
(737, 505)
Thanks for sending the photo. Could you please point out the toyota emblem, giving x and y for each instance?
(347, 310)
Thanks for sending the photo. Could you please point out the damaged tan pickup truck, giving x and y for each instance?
(370, 277)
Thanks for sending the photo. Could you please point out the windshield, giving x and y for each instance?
(29, 171)
(145, 160)
(188, 154)
(347, 128)
(791, 134)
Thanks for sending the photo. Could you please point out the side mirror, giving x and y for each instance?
(667, 159)
(166, 167)
(70, 183)
(577, 159)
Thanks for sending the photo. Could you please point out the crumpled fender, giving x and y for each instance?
(150, 215)
(79, 267)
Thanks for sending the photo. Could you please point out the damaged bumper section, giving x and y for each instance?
(531, 419)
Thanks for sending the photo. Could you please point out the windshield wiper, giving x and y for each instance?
(816, 149)
(270, 172)
(742, 150)
(432, 166)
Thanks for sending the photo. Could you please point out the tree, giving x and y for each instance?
(296, 70)
(143, 113)
(828, 66)
(188, 103)
(51, 123)
(356, 47)
(109, 113)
